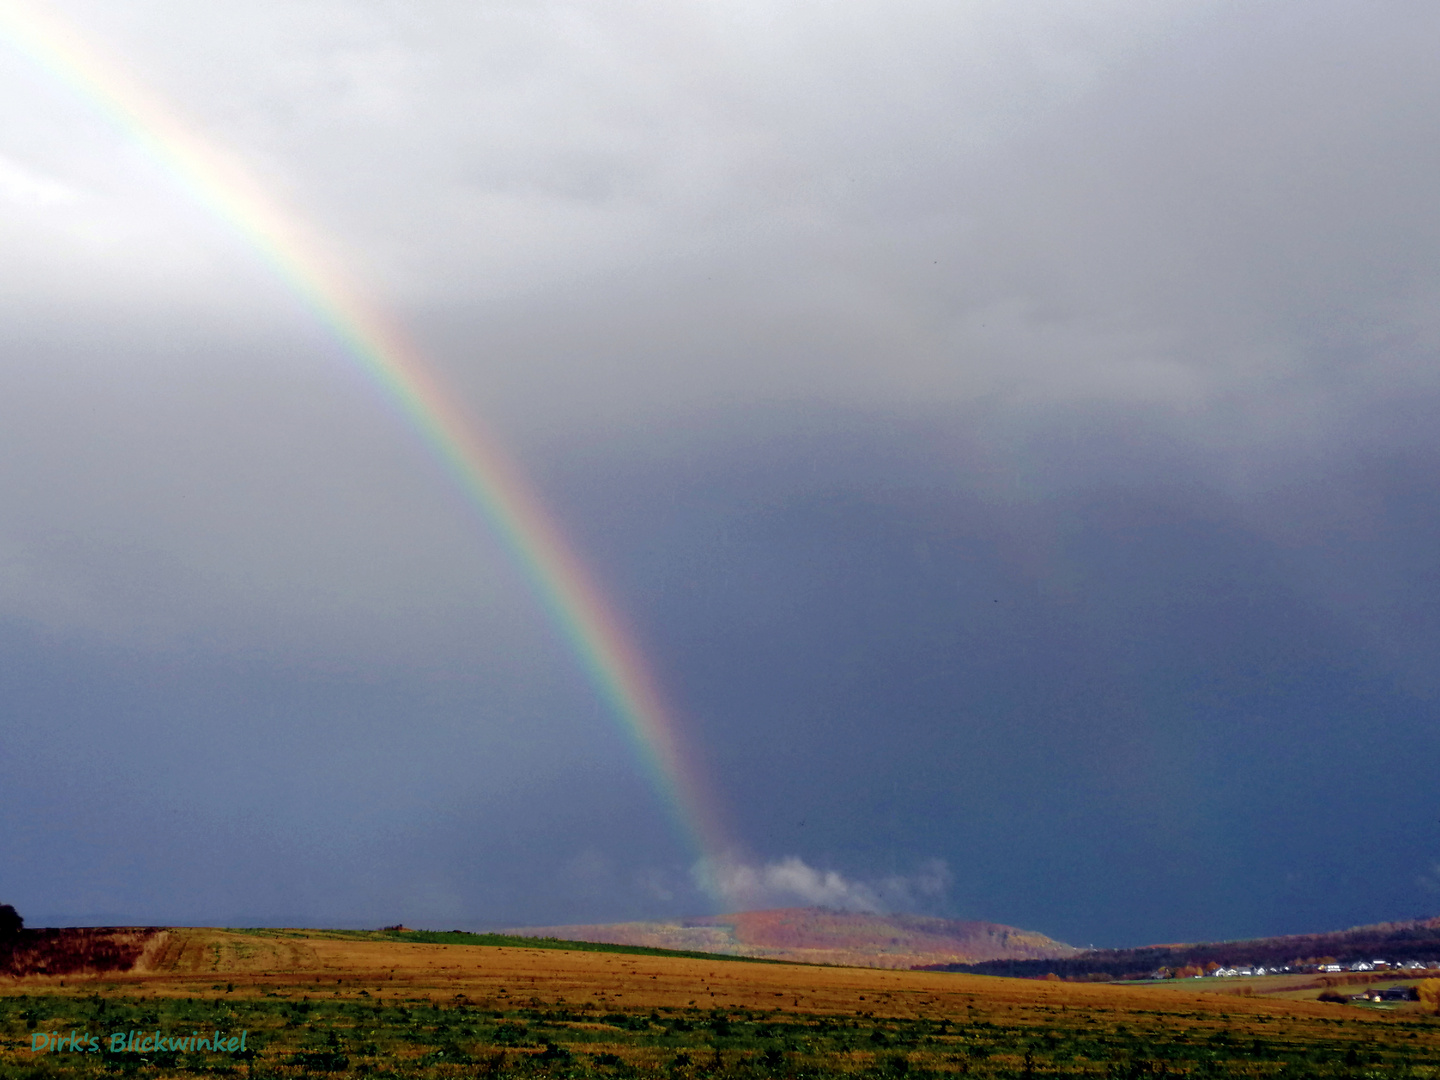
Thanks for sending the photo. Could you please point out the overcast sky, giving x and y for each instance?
(1011, 429)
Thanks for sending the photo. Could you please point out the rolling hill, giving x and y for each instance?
(1415, 940)
(822, 936)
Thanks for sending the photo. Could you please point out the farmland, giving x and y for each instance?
(336, 1004)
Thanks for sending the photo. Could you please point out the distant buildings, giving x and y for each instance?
(1390, 993)
(1358, 965)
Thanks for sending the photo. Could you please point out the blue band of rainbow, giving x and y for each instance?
(489, 480)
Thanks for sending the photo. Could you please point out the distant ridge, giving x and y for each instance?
(1396, 942)
(822, 936)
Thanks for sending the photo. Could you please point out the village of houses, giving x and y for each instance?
(1408, 969)
(1410, 966)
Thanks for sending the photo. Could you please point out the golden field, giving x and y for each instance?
(186, 962)
(317, 1002)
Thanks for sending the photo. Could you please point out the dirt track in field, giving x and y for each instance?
(217, 962)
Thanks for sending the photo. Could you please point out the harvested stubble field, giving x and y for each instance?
(314, 1003)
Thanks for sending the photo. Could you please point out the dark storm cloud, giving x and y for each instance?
(1009, 428)
(1118, 712)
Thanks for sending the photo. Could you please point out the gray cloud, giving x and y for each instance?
(935, 387)
(635, 210)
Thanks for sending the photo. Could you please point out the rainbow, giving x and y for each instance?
(490, 481)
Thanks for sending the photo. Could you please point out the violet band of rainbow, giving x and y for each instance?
(489, 480)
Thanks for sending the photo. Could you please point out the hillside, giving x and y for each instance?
(1396, 942)
(822, 936)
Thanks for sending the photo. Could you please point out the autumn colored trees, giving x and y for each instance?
(1429, 991)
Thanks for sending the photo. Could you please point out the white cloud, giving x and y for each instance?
(791, 881)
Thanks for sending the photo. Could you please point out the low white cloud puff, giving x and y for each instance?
(791, 881)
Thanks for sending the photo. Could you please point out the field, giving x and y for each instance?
(1295, 987)
(343, 1005)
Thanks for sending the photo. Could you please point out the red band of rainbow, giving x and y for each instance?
(486, 476)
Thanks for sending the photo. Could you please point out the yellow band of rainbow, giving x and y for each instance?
(486, 476)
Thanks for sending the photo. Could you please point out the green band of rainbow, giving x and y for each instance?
(487, 477)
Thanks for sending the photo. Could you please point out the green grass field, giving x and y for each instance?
(514, 941)
(292, 1036)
